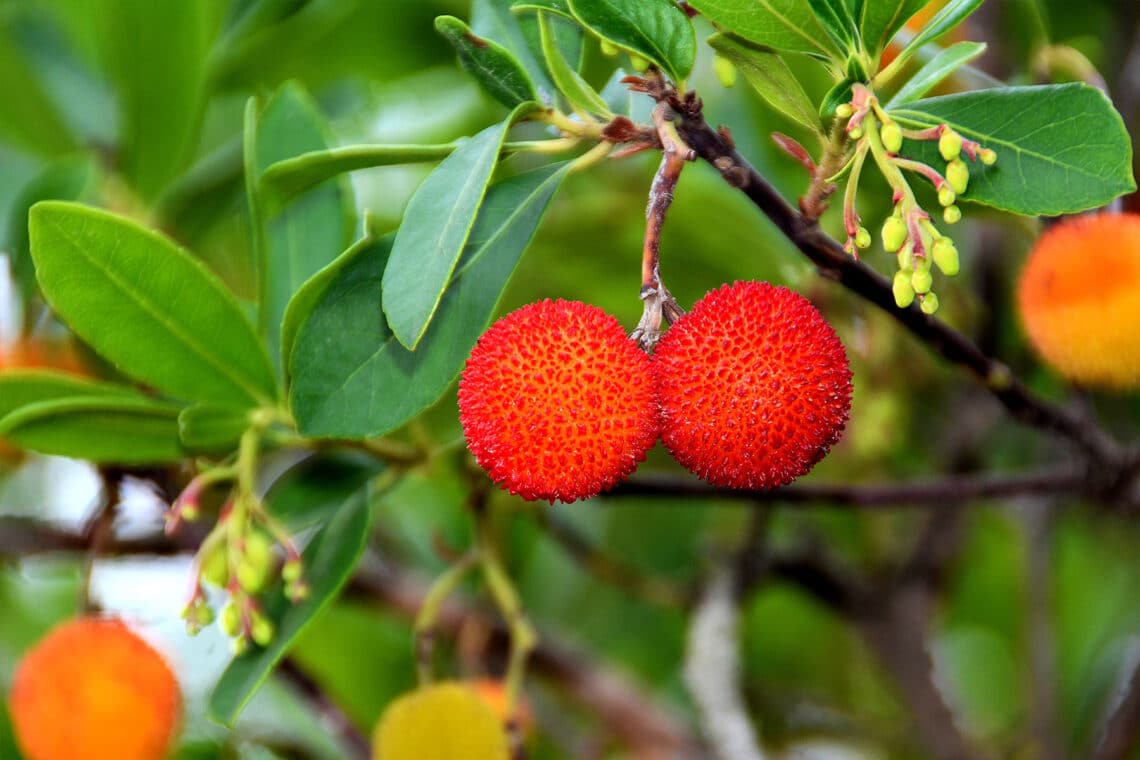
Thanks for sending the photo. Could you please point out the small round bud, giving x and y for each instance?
(856, 134)
(904, 292)
(946, 195)
(256, 564)
(929, 303)
(950, 145)
(725, 70)
(609, 49)
(261, 630)
(291, 572)
(215, 568)
(230, 619)
(844, 110)
(638, 63)
(921, 281)
(988, 157)
(894, 234)
(952, 214)
(239, 645)
(297, 592)
(862, 238)
(958, 175)
(892, 137)
(945, 255)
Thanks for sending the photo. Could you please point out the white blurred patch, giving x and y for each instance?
(11, 306)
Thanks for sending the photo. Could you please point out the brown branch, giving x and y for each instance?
(938, 493)
(1121, 735)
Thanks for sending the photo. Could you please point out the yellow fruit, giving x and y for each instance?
(1079, 297)
(93, 690)
(447, 721)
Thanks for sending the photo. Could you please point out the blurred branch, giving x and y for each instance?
(1121, 736)
(935, 493)
(329, 713)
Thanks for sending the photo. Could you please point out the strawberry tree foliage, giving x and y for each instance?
(348, 334)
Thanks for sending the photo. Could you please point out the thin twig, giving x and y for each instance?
(1121, 735)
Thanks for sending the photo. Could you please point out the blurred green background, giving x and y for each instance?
(136, 106)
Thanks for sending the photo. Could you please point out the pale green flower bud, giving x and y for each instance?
(921, 281)
(945, 255)
(862, 238)
(892, 137)
(904, 293)
(950, 145)
(929, 303)
(894, 234)
(725, 70)
(958, 175)
(952, 214)
(947, 196)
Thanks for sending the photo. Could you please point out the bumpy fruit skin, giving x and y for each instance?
(557, 403)
(1079, 297)
(754, 386)
(93, 690)
(447, 721)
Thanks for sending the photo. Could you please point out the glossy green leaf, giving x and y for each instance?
(147, 306)
(352, 378)
(936, 70)
(21, 387)
(494, 20)
(211, 427)
(880, 20)
(1060, 148)
(312, 491)
(569, 36)
(493, 66)
(766, 72)
(156, 55)
(434, 230)
(781, 24)
(329, 560)
(119, 429)
(954, 13)
(569, 82)
(29, 118)
(838, 95)
(561, 7)
(313, 229)
(835, 17)
(657, 30)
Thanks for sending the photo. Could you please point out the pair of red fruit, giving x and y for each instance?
(748, 390)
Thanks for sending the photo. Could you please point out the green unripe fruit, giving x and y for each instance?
(921, 281)
(988, 157)
(725, 70)
(945, 255)
(609, 49)
(892, 137)
(894, 234)
(929, 303)
(904, 292)
(856, 134)
(952, 214)
(862, 238)
(950, 145)
(958, 175)
(230, 620)
(947, 196)
(215, 568)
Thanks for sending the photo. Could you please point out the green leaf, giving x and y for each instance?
(433, 232)
(311, 492)
(352, 378)
(561, 7)
(944, 64)
(21, 387)
(954, 13)
(147, 306)
(578, 92)
(493, 66)
(767, 73)
(838, 95)
(880, 21)
(657, 30)
(156, 55)
(29, 119)
(835, 17)
(493, 19)
(119, 429)
(212, 428)
(781, 24)
(1060, 148)
(312, 230)
(329, 561)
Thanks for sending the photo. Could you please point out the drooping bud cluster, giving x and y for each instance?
(909, 231)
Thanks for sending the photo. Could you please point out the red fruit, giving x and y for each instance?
(556, 402)
(754, 386)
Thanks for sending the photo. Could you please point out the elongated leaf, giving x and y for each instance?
(212, 428)
(147, 306)
(313, 229)
(329, 560)
(936, 70)
(954, 13)
(119, 429)
(30, 119)
(569, 37)
(435, 228)
(880, 20)
(561, 7)
(311, 492)
(580, 94)
(835, 17)
(494, 20)
(156, 54)
(657, 30)
(21, 387)
(781, 24)
(352, 378)
(767, 73)
(493, 66)
(1060, 148)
